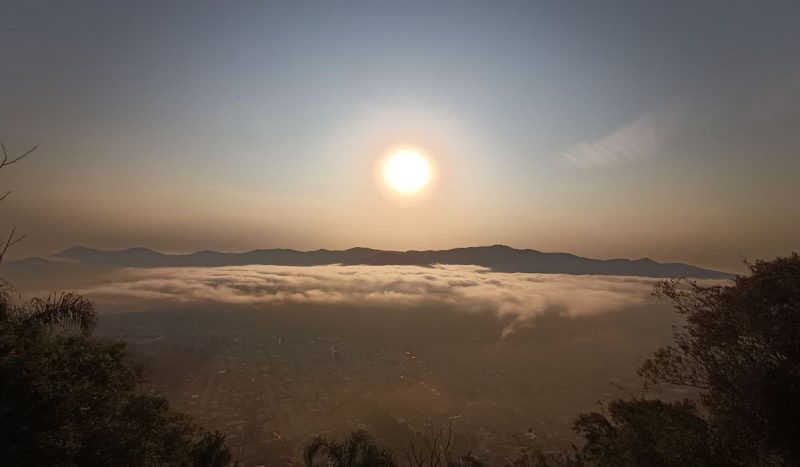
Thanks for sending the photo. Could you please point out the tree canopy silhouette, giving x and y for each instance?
(740, 347)
(67, 398)
(740, 350)
(357, 450)
(641, 432)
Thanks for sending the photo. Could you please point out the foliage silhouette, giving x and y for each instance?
(437, 449)
(357, 450)
(67, 398)
(641, 432)
(740, 349)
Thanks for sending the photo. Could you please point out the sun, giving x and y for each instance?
(407, 171)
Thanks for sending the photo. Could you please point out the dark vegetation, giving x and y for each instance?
(69, 399)
(357, 449)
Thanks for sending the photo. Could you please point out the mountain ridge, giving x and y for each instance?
(499, 258)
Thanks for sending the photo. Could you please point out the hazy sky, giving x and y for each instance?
(606, 129)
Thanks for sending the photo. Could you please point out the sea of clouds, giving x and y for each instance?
(518, 296)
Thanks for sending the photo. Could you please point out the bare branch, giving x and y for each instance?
(417, 455)
(448, 445)
(11, 241)
(17, 159)
(65, 309)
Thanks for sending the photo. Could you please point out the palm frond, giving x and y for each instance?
(322, 451)
(61, 309)
(362, 450)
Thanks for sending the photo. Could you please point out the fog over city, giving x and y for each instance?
(520, 297)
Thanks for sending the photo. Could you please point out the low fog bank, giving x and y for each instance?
(513, 298)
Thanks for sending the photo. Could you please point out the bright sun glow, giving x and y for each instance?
(407, 171)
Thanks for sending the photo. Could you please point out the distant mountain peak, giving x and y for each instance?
(500, 258)
(139, 249)
(77, 249)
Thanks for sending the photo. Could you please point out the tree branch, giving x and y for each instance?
(17, 159)
(11, 241)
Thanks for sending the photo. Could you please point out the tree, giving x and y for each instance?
(357, 450)
(535, 457)
(437, 449)
(640, 432)
(67, 398)
(361, 450)
(740, 347)
(740, 350)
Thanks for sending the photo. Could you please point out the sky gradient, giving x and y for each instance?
(630, 129)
